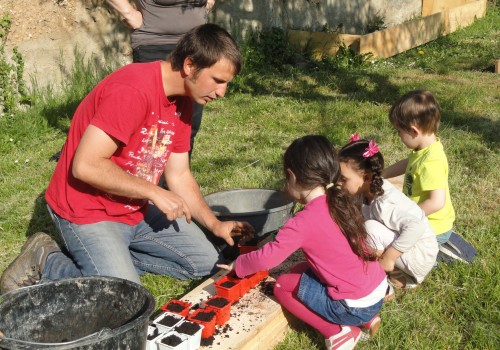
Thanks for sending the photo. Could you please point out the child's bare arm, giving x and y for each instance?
(435, 202)
(395, 169)
(388, 259)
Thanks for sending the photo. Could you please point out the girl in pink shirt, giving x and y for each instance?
(340, 287)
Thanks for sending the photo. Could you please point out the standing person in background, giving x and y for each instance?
(157, 26)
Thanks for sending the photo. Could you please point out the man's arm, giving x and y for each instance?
(131, 16)
(395, 169)
(180, 180)
(92, 165)
(435, 202)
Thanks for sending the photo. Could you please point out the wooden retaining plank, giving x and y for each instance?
(430, 7)
(463, 15)
(391, 41)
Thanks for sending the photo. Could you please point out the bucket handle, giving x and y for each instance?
(98, 335)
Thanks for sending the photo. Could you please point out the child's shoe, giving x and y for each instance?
(346, 339)
(399, 279)
(371, 327)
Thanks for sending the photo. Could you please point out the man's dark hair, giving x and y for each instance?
(206, 45)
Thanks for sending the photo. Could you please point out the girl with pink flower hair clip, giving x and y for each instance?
(400, 233)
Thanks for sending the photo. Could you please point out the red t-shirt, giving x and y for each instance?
(129, 105)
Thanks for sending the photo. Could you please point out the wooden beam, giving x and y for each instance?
(402, 37)
(497, 66)
(430, 7)
(463, 15)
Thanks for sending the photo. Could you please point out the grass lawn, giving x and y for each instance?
(244, 135)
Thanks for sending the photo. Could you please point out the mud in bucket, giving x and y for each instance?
(77, 313)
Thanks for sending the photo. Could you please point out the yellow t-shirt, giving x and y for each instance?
(427, 170)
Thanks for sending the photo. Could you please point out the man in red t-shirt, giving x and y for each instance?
(130, 129)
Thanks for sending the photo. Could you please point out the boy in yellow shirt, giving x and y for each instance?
(416, 117)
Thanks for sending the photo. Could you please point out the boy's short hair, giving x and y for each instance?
(417, 108)
(206, 45)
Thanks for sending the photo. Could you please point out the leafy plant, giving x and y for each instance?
(267, 48)
(12, 86)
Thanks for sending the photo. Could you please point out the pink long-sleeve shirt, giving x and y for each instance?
(326, 250)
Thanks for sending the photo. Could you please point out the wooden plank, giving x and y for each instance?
(257, 321)
(430, 7)
(402, 37)
(497, 66)
(319, 44)
(463, 15)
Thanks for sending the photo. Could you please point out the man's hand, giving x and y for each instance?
(172, 205)
(133, 20)
(229, 229)
(131, 16)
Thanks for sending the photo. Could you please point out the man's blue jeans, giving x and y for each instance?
(156, 245)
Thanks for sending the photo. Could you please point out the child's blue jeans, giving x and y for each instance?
(315, 296)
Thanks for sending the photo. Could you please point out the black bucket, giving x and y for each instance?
(77, 313)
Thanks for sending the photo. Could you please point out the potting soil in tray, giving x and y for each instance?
(174, 307)
(169, 321)
(189, 328)
(218, 302)
(205, 316)
(227, 284)
(171, 340)
(153, 335)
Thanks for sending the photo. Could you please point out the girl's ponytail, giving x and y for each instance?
(346, 213)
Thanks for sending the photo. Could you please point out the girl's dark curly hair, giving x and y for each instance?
(353, 152)
(315, 163)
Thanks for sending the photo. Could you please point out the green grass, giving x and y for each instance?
(243, 138)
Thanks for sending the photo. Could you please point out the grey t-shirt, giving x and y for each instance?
(165, 21)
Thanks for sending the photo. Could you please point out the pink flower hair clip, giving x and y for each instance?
(354, 137)
(371, 150)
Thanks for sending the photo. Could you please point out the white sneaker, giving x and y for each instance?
(346, 339)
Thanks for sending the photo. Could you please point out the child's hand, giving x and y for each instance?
(229, 267)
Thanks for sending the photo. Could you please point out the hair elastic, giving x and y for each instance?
(330, 185)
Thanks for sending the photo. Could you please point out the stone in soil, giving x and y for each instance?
(218, 302)
(171, 340)
(169, 321)
(189, 328)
